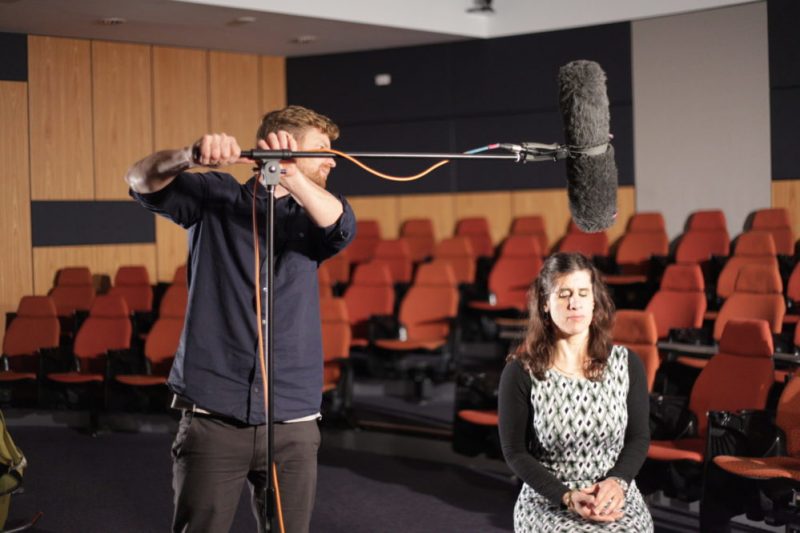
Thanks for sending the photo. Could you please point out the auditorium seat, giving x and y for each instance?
(752, 247)
(521, 246)
(758, 293)
(793, 297)
(706, 235)
(73, 290)
(776, 221)
(644, 238)
(396, 255)
(744, 365)
(531, 225)
(459, 253)
(370, 294)
(338, 267)
(368, 233)
(324, 282)
(589, 244)
(337, 382)
(509, 282)
(418, 233)
(132, 282)
(426, 319)
(680, 301)
(636, 330)
(34, 329)
(476, 229)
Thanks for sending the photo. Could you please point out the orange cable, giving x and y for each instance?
(381, 174)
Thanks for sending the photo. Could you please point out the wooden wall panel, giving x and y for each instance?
(272, 90)
(100, 260)
(180, 117)
(234, 101)
(440, 208)
(16, 271)
(380, 208)
(60, 92)
(123, 113)
(495, 206)
(786, 193)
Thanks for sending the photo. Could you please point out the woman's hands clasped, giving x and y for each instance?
(601, 502)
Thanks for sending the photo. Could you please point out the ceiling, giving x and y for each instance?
(272, 27)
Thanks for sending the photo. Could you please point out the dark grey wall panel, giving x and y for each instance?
(785, 105)
(13, 57)
(76, 223)
(784, 42)
(343, 85)
(520, 73)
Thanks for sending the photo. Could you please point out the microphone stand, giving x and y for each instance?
(268, 162)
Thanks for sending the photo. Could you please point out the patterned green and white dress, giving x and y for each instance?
(580, 431)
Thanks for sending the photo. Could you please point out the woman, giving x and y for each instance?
(574, 409)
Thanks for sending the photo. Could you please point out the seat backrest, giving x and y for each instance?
(162, 342)
(336, 333)
(324, 282)
(697, 246)
(636, 248)
(362, 248)
(108, 327)
(339, 267)
(646, 222)
(589, 244)
(418, 232)
(793, 285)
(371, 293)
(181, 275)
(776, 221)
(708, 220)
(173, 303)
(757, 294)
(426, 311)
(511, 278)
(680, 302)
(396, 254)
(637, 331)
(788, 415)
(132, 282)
(459, 253)
(752, 247)
(476, 229)
(73, 290)
(438, 273)
(36, 326)
(521, 246)
(531, 225)
(739, 376)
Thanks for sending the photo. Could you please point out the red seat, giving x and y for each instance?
(680, 301)
(427, 310)
(793, 296)
(396, 255)
(637, 331)
(521, 246)
(418, 233)
(324, 282)
(336, 350)
(132, 282)
(706, 235)
(338, 267)
(753, 247)
(531, 225)
(776, 221)
(370, 294)
(744, 365)
(368, 234)
(588, 244)
(645, 237)
(180, 277)
(73, 290)
(758, 293)
(509, 282)
(479, 417)
(35, 328)
(476, 229)
(108, 327)
(459, 253)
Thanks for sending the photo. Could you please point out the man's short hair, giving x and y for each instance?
(296, 119)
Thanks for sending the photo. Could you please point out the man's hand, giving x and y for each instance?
(217, 150)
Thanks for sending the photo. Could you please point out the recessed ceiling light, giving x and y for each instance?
(112, 21)
(303, 39)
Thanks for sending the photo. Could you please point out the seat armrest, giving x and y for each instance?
(670, 418)
(698, 336)
(750, 433)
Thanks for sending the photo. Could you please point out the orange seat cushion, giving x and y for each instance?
(141, 380)
(683, 449)
(625, 279)
(410, 345)
(760, 467)
(17, 376)
(75, 378)
(693, 362)
(479, 417)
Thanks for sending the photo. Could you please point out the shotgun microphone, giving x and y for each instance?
(591, 169)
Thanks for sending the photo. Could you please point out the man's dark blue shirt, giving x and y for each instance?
(216, 366)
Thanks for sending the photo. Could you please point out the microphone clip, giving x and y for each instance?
(530, 151)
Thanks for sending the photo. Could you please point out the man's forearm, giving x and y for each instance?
(323, 207)
(157, 170)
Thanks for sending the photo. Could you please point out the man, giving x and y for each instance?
(216, 375)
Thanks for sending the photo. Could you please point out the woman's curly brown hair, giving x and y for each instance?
(537, 351)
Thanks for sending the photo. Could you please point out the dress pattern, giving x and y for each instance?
(579, 427)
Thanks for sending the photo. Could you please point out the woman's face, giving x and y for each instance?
(571, 304)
